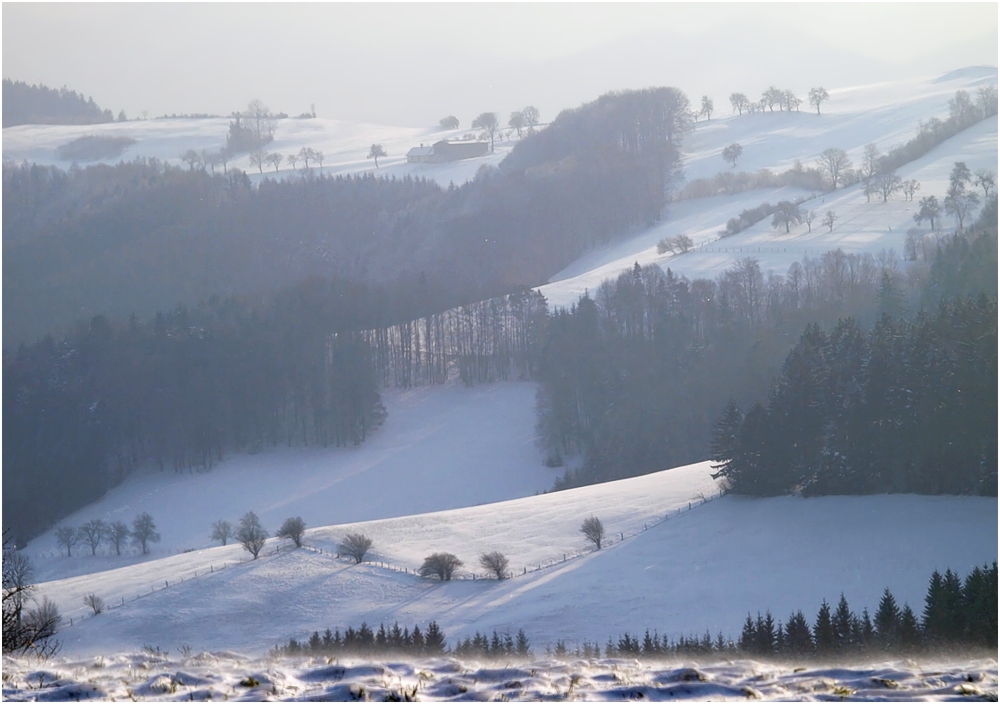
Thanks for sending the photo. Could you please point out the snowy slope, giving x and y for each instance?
(886, 114)
(441, 447)
(702, 568)
(344, 145)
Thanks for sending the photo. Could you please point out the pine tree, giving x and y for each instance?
(748, 638)
(725, 439)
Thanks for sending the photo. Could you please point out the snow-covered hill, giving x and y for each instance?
(886, 114)
(680, 570)
(441, 447)
(344, 145)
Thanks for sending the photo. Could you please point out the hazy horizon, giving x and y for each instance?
(411, 64)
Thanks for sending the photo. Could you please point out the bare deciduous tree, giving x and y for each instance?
(222, 531)
(441, 565)
(118, 534)
(732, 153)
(929, 209)
(449, 123)
(593, 530)
(355, 546)
(93, 532)
(887, 183)
(144, 531)
(817, 96)
(808, 219)
(531, 117)
(292, 529)
(67, 537)
(495, 563)
(191, 158)
(258, 157)
(835, 163)
(987, 180)
(489, 123)
(829, 219)
(251, 534)
(740, 102)
(95, 602)
(787, 214)
(516, 122)
(25, 630)
(275, 159)
(375, 152)
(910, 187)
(707, 107)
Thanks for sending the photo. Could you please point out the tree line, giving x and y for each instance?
(956, 613)
(183, 389)
(25, 104)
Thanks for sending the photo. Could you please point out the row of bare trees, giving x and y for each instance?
(770, 99)
(115, 533)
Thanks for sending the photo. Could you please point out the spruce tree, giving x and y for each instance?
(798, 639)
(823, 632)
(935, 616)
(842, 619)
(887, 621)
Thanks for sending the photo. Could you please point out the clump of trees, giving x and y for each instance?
(676, 245)
(449, 123)
(784, 212)
(729, 182)
(365, 641)
(441, 565)
(94, 147)
(251, 129)
(500, 645)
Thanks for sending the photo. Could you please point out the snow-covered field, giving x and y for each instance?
(226, 676)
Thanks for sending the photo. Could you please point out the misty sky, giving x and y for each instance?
(411, 64)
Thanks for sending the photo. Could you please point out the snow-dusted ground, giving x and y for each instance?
(226, 676)
(344, 145)
(441, 447)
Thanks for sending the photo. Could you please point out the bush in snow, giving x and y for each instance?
(251, 534)
(292, 529)
(95, 602)
(440, 564)
(495, 563)
(355, 546)
(593, 530)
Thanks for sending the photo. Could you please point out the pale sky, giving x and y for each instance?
(412, 63)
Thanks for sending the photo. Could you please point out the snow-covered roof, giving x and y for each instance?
(421, 151)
